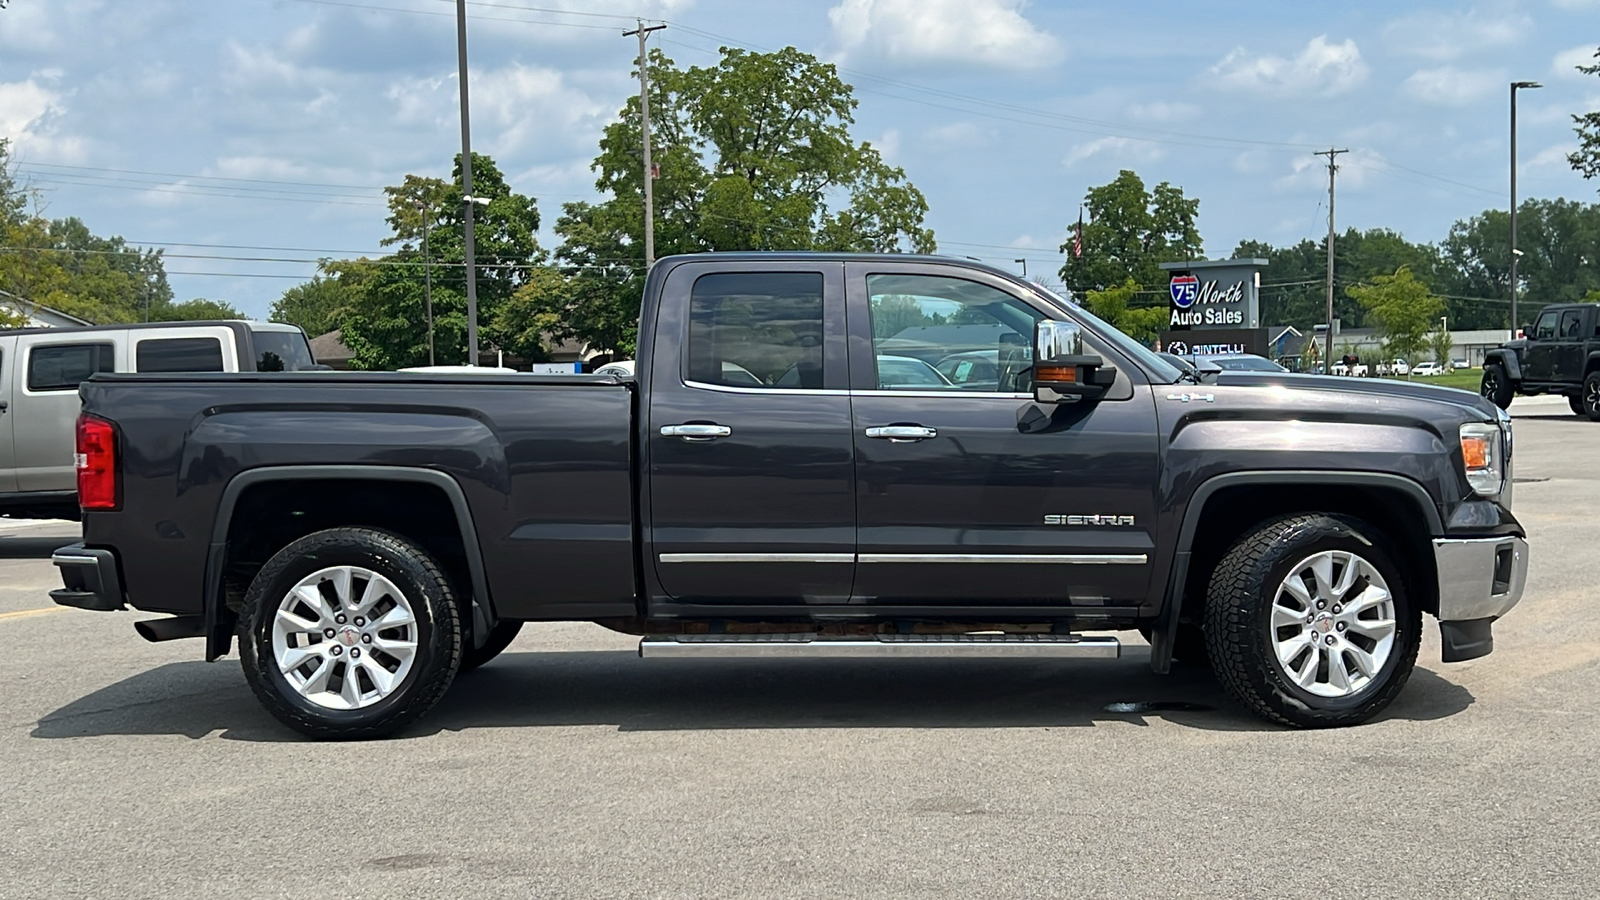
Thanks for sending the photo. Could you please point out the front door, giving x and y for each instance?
(956, 502)
(1540, 364)
(751, 473)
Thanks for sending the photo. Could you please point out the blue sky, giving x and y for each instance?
(252, 136)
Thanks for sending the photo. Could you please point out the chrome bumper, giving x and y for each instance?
(1479, 578)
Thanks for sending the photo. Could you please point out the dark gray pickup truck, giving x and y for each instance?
(819, 456)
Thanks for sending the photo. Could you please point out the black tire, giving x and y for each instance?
(1496, 386)
(1575, 401)
(1189, 645)
(1239, 609)
(1591, 397)
(500, 637)
(437, 632)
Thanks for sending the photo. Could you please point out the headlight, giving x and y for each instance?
(1480, 453)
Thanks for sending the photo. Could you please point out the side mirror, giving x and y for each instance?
(1062, 371)
(1525, 331)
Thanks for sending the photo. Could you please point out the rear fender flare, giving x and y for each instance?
(1162, 636)
(219, 620)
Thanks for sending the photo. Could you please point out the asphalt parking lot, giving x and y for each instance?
(571, 768)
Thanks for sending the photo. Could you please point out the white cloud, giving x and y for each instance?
(1356, 168)
(1449, 35)
(921, 32)
(1577, 4)
(1450, 86)
(1125, 150)
(957, 134)
(1321, 68)
(1566, 63)
(29, 113)
(1553, 157)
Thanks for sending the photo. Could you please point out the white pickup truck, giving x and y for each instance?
(41, 368)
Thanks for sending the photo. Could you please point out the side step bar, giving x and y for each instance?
(809, 646)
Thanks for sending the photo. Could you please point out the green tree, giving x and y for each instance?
(383, 318)
(1439, 346)
(13, 196)
(1130, 232)
(1586, 159)
(1114, 305)
(313, 305)
(196, 310)
(1559, 263)
(754, 153)
(1404, 310)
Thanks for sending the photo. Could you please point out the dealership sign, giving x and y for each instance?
(1215, 342)
(1213, 294)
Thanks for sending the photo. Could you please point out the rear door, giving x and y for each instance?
(956, 503)
(8, 459)
(748, 430)
(49, 367)
(1571, 342)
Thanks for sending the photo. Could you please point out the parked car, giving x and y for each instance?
(1459, 364)
(1394, 367)
(1359, 370)
(1242, 362)
(1560, 355)
(1427, 369)
(41, 368)
(365, 537)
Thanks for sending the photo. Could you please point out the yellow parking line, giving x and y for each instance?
(31, 612)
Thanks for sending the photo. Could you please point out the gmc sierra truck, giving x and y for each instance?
(789, 473)
(1558, 354)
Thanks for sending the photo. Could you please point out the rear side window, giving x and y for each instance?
(281, 351)
(196, 354)
(62, 367)
(762, 329)
(1571, 323)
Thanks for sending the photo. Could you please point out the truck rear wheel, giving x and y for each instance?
(349, 633)
(1589, 399)
(1309, 624)
(1496, 385)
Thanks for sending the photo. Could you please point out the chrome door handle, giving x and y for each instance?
(902, 433)
(696, 433)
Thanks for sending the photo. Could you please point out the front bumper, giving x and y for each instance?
(89, 577)
(1480, 580)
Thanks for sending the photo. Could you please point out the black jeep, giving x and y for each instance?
(1558, 354)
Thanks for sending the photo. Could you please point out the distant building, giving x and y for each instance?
(39, 315)
(1368, 344)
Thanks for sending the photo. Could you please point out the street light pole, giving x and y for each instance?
(466, 184)
(427, 274)
(1024, 266)
(1514, 254)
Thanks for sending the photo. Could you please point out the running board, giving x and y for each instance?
(809, 646)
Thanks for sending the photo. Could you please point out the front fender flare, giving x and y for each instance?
(1508, 360)
(1166, 628)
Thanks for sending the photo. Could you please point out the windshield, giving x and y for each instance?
(281, 351)
(1162, 370)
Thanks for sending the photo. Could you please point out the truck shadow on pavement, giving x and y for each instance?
(616, 688)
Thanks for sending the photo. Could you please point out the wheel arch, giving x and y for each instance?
(1592, 364)
(1507, 360)
(441, 496)
(1224, 507)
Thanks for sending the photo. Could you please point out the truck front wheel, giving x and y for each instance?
(1496, 386)
(1308, 621)
(349, 633)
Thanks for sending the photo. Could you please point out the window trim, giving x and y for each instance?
(27, 365)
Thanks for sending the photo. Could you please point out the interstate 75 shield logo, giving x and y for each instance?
(1185, 290)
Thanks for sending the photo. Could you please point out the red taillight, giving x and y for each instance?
(97, 463)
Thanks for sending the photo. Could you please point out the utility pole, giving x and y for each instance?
(427, 272)
(644, 121)
(1515, 254)
(1024, 262)
(466, 184)
(1327, 358)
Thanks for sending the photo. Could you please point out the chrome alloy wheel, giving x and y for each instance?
(344, 637)
(1333, 624)
(1591, 396)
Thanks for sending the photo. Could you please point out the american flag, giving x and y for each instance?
(1077, 239)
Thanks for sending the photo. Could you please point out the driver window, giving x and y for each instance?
(757, 330)
(933, 333)
(1545, 329)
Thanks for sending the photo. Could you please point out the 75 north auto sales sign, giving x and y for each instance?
(1205, 303)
